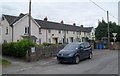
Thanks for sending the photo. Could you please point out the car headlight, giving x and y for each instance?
(71, 54)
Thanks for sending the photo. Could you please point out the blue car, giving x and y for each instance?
(74, 52)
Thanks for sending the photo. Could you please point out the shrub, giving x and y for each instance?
(47, 44)
(8, 48)
(17, 49)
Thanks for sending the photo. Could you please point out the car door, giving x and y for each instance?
(81, 51)
(86, 50)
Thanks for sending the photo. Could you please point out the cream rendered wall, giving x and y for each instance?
(43, 36)
(92, 34)
(7, 37)
(55, 34)
(19, 29)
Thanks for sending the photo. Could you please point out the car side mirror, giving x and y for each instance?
(81, 48)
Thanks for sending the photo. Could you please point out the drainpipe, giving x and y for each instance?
(12, 33)
(46, 35)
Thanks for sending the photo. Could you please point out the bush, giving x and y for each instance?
(8, 48)
(17, 49)
(47, 44)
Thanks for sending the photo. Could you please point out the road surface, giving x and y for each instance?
(103, 62)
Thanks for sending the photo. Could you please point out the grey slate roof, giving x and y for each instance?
(58, 26)
(88, 29)
(9, 18)
(49, 25)
(12, 19)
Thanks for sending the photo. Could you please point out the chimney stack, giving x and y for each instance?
(81, 25)
(62, 22)
(74, 24)
(21, 14)
(45, 19)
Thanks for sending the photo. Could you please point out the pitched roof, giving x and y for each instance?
(12, 19)
(58, 26)
(48, 24)
(88, 29)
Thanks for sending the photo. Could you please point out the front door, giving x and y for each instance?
(55, 40)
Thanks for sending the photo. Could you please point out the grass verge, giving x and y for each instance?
(4, 62)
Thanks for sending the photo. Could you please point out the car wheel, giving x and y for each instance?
(77, 59)
(90, 56)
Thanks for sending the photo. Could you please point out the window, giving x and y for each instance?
(92, 34)
(67, 40)
(79, 33)
(64, 32)
(6, 30)
(39, 30)
(59, 31)
(49, 31)
(67, 32)
(73, 32)
(26, 30)
(49, 40)
(39, 41)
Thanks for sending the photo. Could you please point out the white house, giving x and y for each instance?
(15, 28)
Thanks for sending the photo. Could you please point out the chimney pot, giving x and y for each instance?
(74, 24)
(45, 19)
(62, 22)
(81, 25)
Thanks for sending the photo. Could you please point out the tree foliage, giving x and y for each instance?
(102, 30)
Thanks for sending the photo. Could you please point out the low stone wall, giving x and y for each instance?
(45, 52)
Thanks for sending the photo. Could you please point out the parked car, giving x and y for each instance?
(74, 52)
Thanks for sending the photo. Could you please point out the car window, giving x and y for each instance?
(71, 47)
(82, 45)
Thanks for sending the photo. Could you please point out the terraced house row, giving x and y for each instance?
(15, 28)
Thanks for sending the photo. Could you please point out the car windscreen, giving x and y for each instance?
(71, 47)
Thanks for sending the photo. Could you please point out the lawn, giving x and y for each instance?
(4, 62)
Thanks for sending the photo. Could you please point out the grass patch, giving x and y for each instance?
(4, 62)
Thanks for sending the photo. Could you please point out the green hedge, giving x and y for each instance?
(17, 49)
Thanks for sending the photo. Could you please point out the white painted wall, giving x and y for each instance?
(7, 37)
(19, 29)
(44, 36)
(56, 34)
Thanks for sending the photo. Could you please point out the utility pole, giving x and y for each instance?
(29, 21)
(29, 32)
(108, 30)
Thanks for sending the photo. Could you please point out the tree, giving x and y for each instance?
(102, 30)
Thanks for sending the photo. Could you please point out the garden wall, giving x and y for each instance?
(45, 52)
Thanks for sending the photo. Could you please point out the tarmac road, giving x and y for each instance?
(103, 62)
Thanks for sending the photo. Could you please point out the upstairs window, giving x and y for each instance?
(49, 31)
(6, 30)
(26, 30)
(59, 31)
(39, 30)
(73, 32)
(67, 32)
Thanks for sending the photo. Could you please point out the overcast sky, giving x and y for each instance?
(81, 12)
